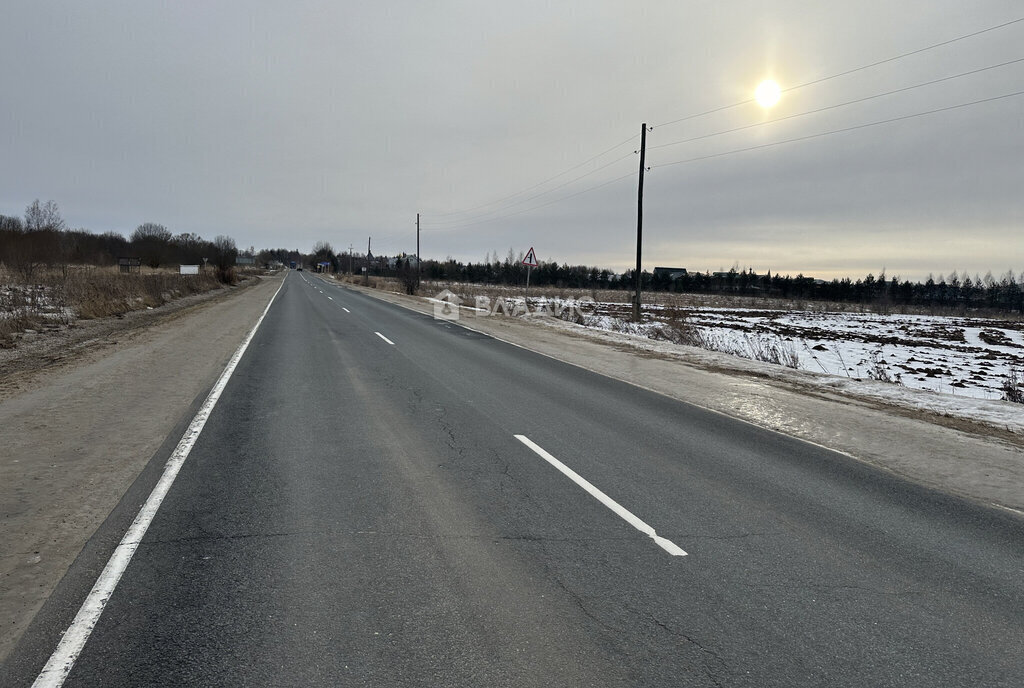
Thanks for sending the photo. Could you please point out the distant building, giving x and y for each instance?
(129, 264)
(670, 273)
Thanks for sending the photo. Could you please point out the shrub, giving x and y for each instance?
(1013, 385)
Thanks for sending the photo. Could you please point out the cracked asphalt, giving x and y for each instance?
(357, 513)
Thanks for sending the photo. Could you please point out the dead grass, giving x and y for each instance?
(1013, 384)
(62, 296)
(665, 299)
(391, 284)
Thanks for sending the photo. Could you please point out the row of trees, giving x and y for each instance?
(953, 292)
(42, 239)
(957, 291)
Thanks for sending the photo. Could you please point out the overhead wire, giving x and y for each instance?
(840, 131)
(468, 222)
(543, 193)
(849, 71)
(833, 107)
(539, 184)
(629, 175)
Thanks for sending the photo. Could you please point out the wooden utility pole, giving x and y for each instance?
(417, 250)
(639, 221)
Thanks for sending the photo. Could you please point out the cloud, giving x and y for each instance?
(284, 125)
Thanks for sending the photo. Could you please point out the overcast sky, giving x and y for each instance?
(285, 123)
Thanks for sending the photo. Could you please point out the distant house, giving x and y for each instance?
(670, 273)
(129, 264)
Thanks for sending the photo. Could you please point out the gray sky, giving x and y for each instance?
(286, 123)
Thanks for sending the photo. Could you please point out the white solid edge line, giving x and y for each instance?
(73, 641)
(384, 338)
(600, 496)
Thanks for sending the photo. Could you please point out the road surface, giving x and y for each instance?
(382, 498)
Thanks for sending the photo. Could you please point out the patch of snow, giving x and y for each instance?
(939, 364)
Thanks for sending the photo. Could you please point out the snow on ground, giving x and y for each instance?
(35, 300)
(957, 356)
(954, 366)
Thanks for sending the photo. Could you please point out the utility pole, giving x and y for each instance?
(639, 221)
(350, 250)
(417, 250)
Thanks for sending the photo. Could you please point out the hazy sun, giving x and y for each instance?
(767, 93)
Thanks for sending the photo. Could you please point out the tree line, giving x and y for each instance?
(955, 291)
(43, 240)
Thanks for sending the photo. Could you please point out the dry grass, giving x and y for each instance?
(666, 299)
(391, 284)
(1013, 385)
(61, 296)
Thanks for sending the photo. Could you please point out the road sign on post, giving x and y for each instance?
(530, 261)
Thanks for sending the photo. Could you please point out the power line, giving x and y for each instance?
(539, 184)
(731, 152)
(543, 193)
(849, 71)
(840, 131)
(467, 222)
(628, 175)
(838, 105)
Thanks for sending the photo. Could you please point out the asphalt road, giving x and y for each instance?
(359, 511)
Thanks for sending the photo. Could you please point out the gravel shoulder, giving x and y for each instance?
(82, 413)
(978, 461)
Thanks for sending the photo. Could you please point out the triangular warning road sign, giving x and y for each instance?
(531, 258)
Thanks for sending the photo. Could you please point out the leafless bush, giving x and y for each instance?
(1013, 384)
(878, 369)
(771, 350)
(61, 296)
(226, 275)
(572, 313)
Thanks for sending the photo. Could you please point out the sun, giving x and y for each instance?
(767, 93)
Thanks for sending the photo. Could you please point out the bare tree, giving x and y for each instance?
(151, 230)
(37, 243)
(323, 252)
(225, 253)
(43, 217)
(153, 242)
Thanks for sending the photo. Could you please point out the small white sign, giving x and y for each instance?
(189, 270)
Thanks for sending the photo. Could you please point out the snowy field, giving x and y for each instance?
(958, 356)
(951, 355)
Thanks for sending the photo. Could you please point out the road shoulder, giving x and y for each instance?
(981, 463)
(80, 429)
